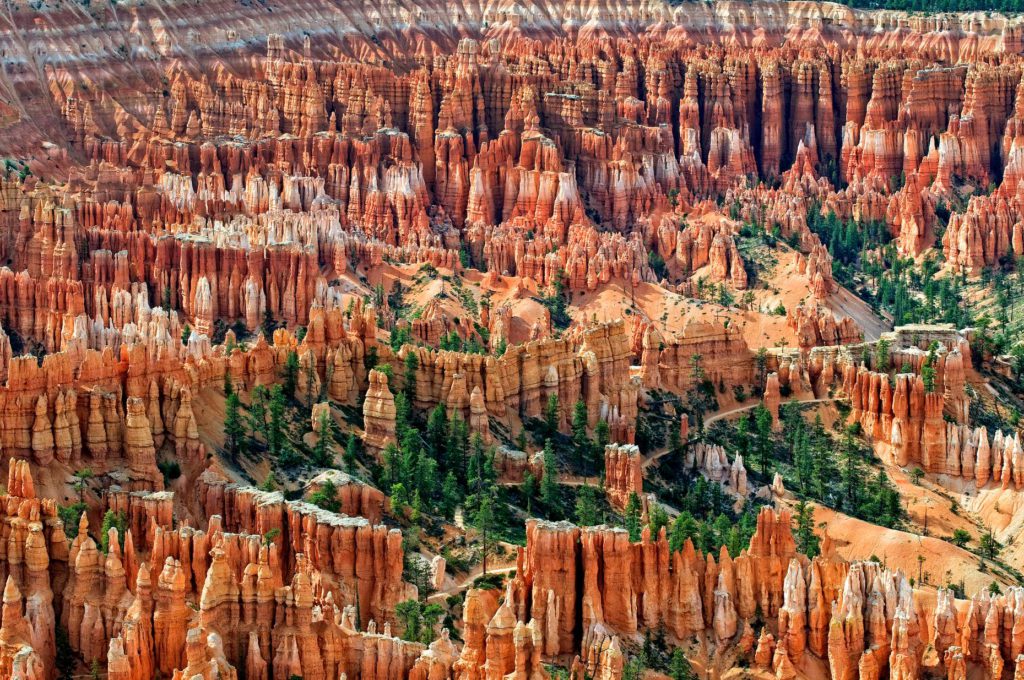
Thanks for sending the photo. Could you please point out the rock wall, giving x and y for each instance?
(623, 474)
(359, 562)
(590, 364)
(181, 602)
(857, 620)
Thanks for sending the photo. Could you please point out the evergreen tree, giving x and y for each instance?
(437, 432)
(696, 369)
(583, 448)
(521, 443)
(656, 519)
(803, 463)
(275, 431)
(551, 416)
(290, 379)
(679, 667)
(586, 506)
(743, 435)
(408, 436)
(270, 483)
(309, 376)
(633, 519)
(928, 370)
(761, 364)
(529, 489)
(684, 527)
(806, 539)
(483, 521)
(458, 443)
(418, 620)
(234, 430)
(326, 496)
(549, 482)
(391, 458)
(481, 473)
(412, 364)
(451, 496)
(989, 546)
(882, 359)
(258, 409)
(675, 442)
(351, 448)
(287, 456)
(112, 520)
(322, 450)
(763, 447)
(851, 473)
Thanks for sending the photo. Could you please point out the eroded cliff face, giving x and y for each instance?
(214, 196)
(530, 148)
(584, 591)
(172, 600)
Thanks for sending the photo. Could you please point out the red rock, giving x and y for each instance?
(623, 473)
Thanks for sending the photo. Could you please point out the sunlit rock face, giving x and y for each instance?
(207, 201)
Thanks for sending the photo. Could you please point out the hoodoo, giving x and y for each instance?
(511, 341)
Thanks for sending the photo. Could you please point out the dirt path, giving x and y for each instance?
(467, 582)
(728, 412)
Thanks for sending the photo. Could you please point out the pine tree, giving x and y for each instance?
(483, 521)
(291, 374)
(258, 409)
(275, 431)
(549, 482)
(458, 443)
(761, 363)
(743, 435)
(679, 667)
(763, 426)
(583, 448)
(806, 539)
(882, 359)
(477, 476)
(633, 518)
(322, 450)
(326, 496)
(450, 496)
(802, 462)
(529, 489)
(437, 433)
(928, 370)
(586, 506)
(112, 520)
(551, 416)
(412, 364)
(684, 527)
(234, 430)
(351, 448)
(656, 519)
(851, 474)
